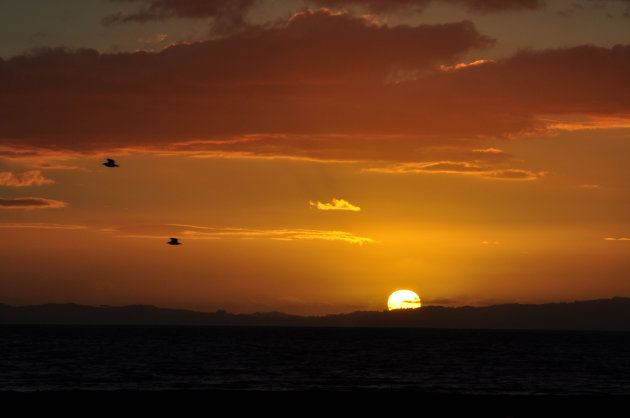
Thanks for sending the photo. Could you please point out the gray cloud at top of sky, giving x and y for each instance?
(236, 9)
(230, 15)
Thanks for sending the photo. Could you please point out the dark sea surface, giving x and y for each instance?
(429, 361)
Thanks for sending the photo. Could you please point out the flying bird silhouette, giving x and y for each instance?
(110, 163)
(174, 241)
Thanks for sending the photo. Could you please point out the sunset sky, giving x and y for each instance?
(314, 156)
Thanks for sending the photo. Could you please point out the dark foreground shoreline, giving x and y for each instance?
(603, 314)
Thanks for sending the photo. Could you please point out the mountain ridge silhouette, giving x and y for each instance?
(600, 314)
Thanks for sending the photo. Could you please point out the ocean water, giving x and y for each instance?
(428, 361)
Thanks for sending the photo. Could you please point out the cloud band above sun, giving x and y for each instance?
(306, 97)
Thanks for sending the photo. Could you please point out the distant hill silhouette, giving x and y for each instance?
(602, 314)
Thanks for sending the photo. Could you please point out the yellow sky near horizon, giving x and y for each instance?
(252, 240)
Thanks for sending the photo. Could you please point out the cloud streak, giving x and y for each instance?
(31, 203)
(458, 167)
(203, 233)
(35, 225)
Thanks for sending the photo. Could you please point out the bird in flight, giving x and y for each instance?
(110, 163)
(174, 241)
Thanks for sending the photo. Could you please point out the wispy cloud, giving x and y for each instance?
(31, 203)
(588, 186)
(490, 242)
(278, 234)
(617, 239)
(35, 225)
(213, 233)
(591, 122)
(28, 178)
(227, 15)
(49, 166)
(489, 151)
(459, 167)
(336, 204)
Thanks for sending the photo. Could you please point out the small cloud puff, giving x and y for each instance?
(28, 178)
(336, 204)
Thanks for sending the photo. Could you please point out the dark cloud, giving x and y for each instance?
(311, 75)
(30, 203)
(231, 14)
(375, 6)
(484, 6)
(323, 85)
(488, 6)
(227, 14)
(593, 5)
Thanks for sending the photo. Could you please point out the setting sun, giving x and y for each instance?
(403, 299)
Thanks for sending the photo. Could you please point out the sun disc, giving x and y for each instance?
(403, 299)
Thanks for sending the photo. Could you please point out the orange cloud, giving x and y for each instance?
(27, 178)
(458, 167)
(49, 166)
(459, 66)
(31, 203)
(336, 204)
(493, 151)
(202, 233)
